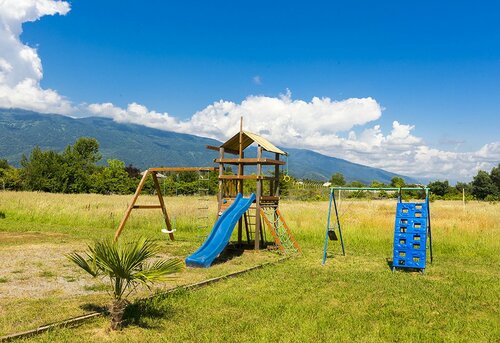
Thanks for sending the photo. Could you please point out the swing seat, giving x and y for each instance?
(332, 235)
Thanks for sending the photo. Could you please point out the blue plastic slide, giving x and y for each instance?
(220, 234)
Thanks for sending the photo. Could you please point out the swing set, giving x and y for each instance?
(154, 172)
(417, 213)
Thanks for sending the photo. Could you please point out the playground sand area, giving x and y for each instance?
(355, 297)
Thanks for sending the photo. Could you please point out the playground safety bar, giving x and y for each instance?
(380, 188)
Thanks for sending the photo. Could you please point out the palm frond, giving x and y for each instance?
(88, 264)
(161, 270)
(126, 264)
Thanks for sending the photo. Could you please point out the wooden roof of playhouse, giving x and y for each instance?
(247, 139)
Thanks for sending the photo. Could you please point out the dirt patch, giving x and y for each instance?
(39, 270)
(29, 237)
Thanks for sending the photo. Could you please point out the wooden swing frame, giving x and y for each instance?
(153, 172)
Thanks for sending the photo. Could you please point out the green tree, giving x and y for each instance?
(113, 179)
(463, 186)
(440, 188)
(495, 177)
(133, 172)
(79, 163)
(482, 185)
(338, 179)
(4, 164)
(397, 181)
(10, 177)
(11, 180)
(42, 171)
(125, 266)
(377, 184)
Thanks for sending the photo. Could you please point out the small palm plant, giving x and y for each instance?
(125, 265)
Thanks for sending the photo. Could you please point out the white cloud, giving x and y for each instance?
(257, 80)
(320, 125)
(137, 114)
(286, 121)
(20, 66)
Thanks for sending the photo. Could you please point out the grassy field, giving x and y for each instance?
(352, 298)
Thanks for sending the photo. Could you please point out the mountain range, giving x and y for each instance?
(143, 147)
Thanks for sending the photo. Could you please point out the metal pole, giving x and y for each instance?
(379, 188)
(327, 226)
(338, 225)
(429, 232)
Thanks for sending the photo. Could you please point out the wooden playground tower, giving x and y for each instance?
(267, 198)
(266, 208)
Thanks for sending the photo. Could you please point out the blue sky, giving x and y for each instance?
(431, 65)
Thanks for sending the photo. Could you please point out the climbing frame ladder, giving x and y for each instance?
(202, 193)
(280, 231)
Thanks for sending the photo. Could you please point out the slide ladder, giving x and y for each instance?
(280, 231)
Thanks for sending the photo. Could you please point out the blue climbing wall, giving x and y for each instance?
(410, 236)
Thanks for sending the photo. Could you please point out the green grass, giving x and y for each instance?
(352, 298)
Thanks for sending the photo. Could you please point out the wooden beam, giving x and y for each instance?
(146, 206)
(162, 203)
(230, 151)
(131, 206)
(269, 198)
(181, 169)
(277, 176)
(264, 161)
(245, 177)
(221, 183)
(212, 147)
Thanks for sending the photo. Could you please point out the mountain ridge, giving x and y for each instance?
(21, 130)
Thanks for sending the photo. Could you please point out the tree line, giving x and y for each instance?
(76, 170)
(484, 186)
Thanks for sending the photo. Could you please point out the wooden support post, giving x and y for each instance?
(277, 176)
(247, 227)
(162, 204)
(131, 205)
(221, 182)
(240, 182)
(257, 201)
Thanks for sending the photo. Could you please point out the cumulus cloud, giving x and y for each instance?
(345, 128)
(20, 66)
(322, 125)
(404, 153)
(283, 119)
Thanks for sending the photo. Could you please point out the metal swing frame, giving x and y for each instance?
(339, 228)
